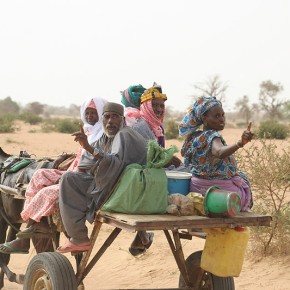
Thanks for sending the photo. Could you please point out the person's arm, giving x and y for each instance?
(220, 151)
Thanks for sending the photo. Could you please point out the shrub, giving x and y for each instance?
(30, 118)
(171, 129)
(61, 125)
(68, 126)
(269, 172)
(7, 123)
(272, 129)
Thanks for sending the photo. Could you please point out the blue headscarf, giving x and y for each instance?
(192, 120)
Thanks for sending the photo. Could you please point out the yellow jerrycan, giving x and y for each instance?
(224, 251)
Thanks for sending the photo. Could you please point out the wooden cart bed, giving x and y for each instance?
(170, 222)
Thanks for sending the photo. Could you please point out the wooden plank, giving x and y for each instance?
(171, 222)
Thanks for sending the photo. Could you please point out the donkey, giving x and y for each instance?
(12, 189)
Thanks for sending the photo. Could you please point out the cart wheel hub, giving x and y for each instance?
(43, 283)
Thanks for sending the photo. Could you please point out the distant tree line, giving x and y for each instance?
(50, 117)
(271, 107)
(7, 105)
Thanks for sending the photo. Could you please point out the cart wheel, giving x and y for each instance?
(209, 281)
(49, 271)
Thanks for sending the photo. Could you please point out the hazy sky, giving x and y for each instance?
(61, 52)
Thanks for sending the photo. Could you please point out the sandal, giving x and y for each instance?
(68, 247)
(7, 249)
(136, 252)
(139, 248)
(31, 232)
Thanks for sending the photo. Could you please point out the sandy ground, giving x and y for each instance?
(155, 269)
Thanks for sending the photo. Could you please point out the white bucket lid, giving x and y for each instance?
(178, 174)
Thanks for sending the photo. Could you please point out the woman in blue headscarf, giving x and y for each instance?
(206, 154)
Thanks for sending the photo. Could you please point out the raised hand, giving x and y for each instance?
(82, 129)
(247, 135)
(81, 137)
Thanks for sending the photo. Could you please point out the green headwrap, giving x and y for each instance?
(131, 96)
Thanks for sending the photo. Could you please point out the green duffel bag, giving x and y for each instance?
(140, 190)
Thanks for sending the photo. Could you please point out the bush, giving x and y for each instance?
(68, 126)
(269, 172)
(30, 118)
(61, 125)
(7, 123)
(171, 129)
(272, 129)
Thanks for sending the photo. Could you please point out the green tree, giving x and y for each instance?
(7, 123)
(8, 106)
(35, 107)
(269, 100)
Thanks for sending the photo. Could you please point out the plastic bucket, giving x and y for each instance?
(221, 203)
(178, 182)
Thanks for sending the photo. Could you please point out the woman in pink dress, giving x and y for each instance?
(43, 190)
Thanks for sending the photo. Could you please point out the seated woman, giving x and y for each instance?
(144, 112)
(43, 190)
(206, 154)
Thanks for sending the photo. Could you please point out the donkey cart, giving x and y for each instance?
(54, 271)
(49, 270)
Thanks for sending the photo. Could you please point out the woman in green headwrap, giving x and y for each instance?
(145, 113)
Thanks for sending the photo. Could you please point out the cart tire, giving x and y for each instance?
(209, 281)
(50, 271)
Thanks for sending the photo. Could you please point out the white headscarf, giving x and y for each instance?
(94, 132)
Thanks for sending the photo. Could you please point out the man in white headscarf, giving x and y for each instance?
(43, 190)
(94, 130)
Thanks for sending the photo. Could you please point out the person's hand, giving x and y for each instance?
(247, 135)
(175, 161)
(81, 137)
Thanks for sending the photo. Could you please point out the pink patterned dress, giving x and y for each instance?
(43, 191)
